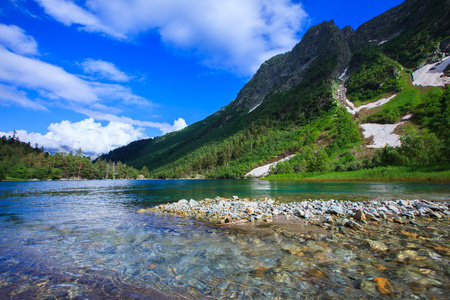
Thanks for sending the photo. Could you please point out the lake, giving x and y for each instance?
(84, 239)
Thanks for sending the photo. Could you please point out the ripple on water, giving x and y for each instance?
(105, 250)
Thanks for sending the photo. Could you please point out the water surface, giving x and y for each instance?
(84, 239)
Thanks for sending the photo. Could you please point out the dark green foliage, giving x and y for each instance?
(372, 75)
(298, 114)
(3, 171)
(19, 160)
(231, 142)
(434, 112)
(425, 24)
(405, 102)
(417, 149)
(429, 145)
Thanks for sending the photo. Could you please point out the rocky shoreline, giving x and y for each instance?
(327, 214)
(370, 250)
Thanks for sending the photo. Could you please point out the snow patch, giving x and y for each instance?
(383, 134)
(407, 117)
(351, 107)
(264, 170)
(254, 107)
(382, 42)
(343, 73)
(432, 74)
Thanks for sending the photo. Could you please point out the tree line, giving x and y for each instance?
(19, 160)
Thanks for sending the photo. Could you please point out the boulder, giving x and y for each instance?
(335, 209)
(193, 203)
(359, 215)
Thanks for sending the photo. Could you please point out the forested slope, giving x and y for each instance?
(293, 104)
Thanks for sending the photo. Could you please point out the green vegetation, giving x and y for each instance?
(436, 173)
(420, 38)
(372, 74)
(20, 161)
(299, 114)
(405, 102)
(423, 155)
(231, 142)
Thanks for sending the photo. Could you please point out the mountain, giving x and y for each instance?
(301, 102)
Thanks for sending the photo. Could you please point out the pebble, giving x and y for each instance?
(349, 214)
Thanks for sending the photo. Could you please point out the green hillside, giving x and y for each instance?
(292, 104)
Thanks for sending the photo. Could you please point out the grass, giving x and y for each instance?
(438, 173)
(403, 103)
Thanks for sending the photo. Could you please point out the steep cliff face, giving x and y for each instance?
(284, 71)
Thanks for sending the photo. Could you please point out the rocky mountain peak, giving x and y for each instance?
(283, 71)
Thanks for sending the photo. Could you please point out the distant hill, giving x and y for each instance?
(301, 103)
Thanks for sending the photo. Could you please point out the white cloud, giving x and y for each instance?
(163, 127)
(179, 124)
(91, 137)
(104, 70)
(235, 35)
(54, 83)
(15, 39)
(11, 96)
(51, 80)
(69, 13)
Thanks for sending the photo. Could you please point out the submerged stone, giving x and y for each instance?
(384, 286)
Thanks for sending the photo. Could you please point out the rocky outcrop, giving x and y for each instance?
(282, 72)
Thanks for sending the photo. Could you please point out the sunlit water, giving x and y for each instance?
(84, 239)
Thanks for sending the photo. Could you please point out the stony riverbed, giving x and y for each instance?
(331, 249)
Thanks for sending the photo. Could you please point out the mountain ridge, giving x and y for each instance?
(293, 96)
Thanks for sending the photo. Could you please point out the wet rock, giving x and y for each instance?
(384, 286)
(352, 224)
(377, 245)
(141, 211)
(406, 255)
(399, 220)
(368, 286)
(329, 220)
(359, 215)
(435, 215)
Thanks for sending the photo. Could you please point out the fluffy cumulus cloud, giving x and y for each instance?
(163, 127)
(20, 72)
(91, 137)
(236, 35)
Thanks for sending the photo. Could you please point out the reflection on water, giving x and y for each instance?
(84, 239)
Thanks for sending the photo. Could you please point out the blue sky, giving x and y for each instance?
(98, 74)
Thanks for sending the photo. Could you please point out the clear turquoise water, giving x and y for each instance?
(84, 239)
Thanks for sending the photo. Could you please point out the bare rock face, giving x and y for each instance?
(282, 72)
